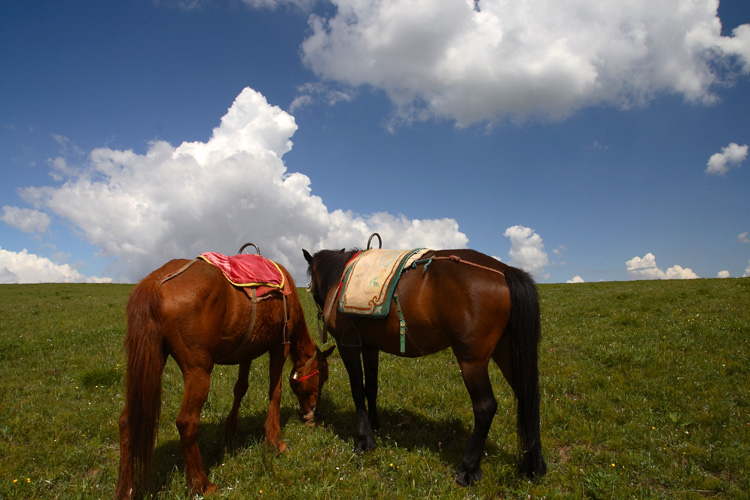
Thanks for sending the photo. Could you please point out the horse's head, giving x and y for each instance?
(307, 382)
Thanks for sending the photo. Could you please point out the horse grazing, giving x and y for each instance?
(462, 299)
(189, 310)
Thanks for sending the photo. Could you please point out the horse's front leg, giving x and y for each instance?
(370, 359)
(483, 403)
(197, 383)
(365, 438)
(240, 389)
(277, 356)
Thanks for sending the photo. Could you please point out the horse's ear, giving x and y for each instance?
(307, 255)
(328, 351)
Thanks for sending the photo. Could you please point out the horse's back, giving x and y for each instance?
(449, 276)
(184, 283)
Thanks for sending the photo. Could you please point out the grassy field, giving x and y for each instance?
(645, 395)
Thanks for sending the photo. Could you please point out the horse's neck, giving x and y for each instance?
(337, 262)
(303, 346)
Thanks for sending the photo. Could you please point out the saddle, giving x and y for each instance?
(254, 273)
(257, 276)
(370, 280)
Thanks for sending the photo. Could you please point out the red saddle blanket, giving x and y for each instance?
(250, 271)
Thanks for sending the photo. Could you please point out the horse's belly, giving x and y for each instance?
(419, 340)
(242, 348)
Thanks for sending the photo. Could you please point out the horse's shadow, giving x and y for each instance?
(405, 428)
(215, 445)
(448, 437)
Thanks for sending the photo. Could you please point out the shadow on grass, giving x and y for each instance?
(214, 444)
(412, 431)
(403, 428)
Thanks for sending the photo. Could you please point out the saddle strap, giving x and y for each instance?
(181, 270)
(401, 323)
(454, 258)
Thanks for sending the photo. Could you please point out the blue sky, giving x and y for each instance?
(579, 141)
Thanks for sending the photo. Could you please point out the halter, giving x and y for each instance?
(297, 374)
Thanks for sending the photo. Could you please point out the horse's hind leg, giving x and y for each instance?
(240, 389)
(197, 383)
(503, 357)
(531, 461)
(483, 402)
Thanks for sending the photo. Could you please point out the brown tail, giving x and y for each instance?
(146, 358)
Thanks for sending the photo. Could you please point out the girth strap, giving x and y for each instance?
(401, 324)
(284, 334)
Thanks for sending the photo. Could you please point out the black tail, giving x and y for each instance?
(525, 329)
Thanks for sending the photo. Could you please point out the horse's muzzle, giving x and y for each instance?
(309, 417)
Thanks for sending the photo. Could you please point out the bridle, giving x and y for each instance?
(297, 375)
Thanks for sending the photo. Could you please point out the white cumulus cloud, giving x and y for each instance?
(28, 221)
(645, 268)
(723, 274)
(169, 202)
(527, 250)
(743, 237)
(575, 279)
(490, 60)
(731, 156)
(23, 267)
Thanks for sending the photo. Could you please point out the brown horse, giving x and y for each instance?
(201, 319)
(462, 299)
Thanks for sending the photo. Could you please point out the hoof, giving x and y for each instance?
(282, 447)
(203, 489)
(276, 446)
(364, 445)
(467, 478)
(124, 492)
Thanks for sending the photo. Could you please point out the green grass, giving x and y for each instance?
(645, 396)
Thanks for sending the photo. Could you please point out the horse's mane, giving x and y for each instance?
(330, 264)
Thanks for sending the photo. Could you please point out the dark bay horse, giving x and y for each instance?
(201, 319)
(479, 307)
